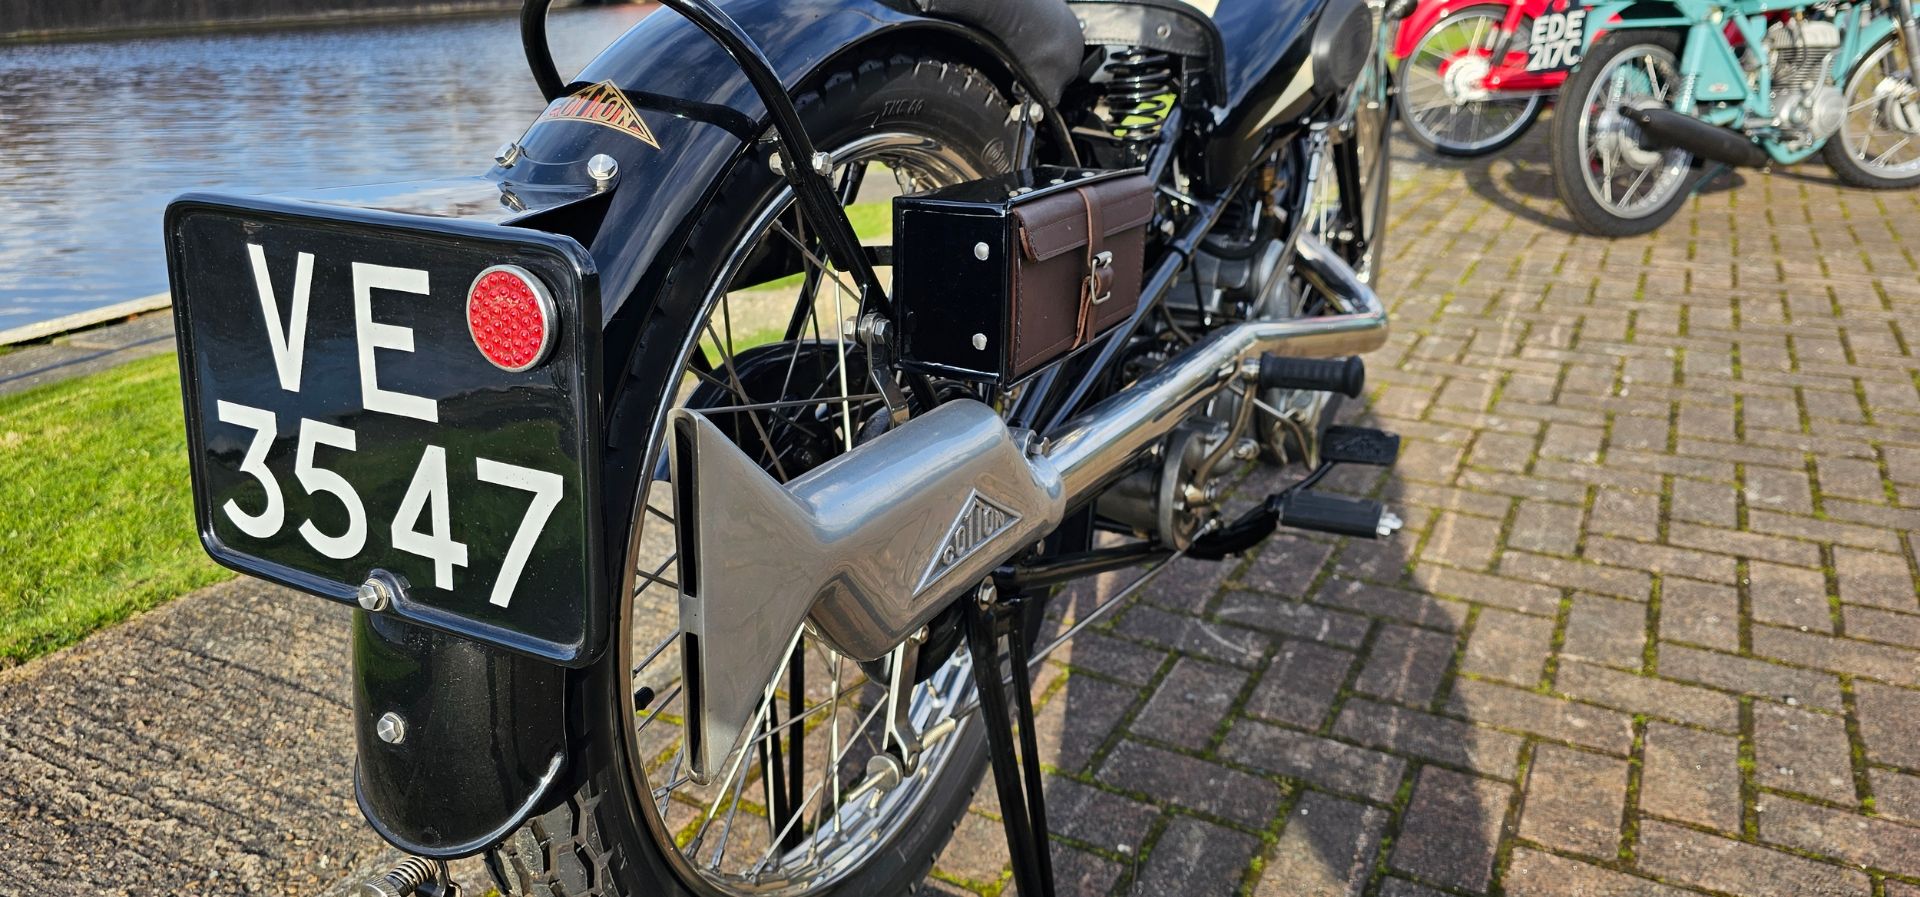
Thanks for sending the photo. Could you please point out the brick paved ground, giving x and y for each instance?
(1651, 628)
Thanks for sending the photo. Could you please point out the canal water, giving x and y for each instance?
(97, 137)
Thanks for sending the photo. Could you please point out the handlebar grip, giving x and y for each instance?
(1346, 376)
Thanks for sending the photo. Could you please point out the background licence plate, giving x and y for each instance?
(1556, 39)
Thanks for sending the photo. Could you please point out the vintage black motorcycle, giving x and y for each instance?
(702, 539)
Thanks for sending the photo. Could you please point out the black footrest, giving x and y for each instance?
(1347, 376)
(1322, 513)
(1359, 445)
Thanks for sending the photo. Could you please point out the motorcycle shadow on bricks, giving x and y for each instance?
(1283, 723)
(1519, 182)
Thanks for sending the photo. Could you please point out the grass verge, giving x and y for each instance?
(96, 511)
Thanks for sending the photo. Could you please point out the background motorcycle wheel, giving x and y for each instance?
(1878, 144)
(1445, 67)
(1610, 185)
(629, 827)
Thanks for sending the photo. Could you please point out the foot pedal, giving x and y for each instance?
(1322, 513)
(1346, 376)
(1359, 445)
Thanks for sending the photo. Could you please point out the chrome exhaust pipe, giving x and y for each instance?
(872, 545)
(1095, 446)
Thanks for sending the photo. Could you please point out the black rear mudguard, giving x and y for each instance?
(485, 742)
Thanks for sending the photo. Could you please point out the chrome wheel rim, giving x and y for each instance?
(722, 837)
(1442, 84)
(1627, 180)
(1881, 128)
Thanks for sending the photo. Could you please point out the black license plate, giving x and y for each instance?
(1555, 40)
(343, 422)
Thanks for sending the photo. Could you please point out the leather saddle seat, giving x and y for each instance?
(1049, 37)
(1042, 35)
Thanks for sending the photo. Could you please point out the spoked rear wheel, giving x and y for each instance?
(748, 331)
(1444, 101)
(1613, 183)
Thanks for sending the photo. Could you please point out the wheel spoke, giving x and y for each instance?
(654, 654)
(818, 386)
(1890, 150)
(1627, 195)
(810, 256)
(733, 377)
(655, 578)
(659, 704)
(776, 837)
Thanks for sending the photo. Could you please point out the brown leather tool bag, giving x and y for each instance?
(998, 278)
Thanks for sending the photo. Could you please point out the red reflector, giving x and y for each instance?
(511, 317)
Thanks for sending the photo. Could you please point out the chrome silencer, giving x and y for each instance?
(870, 545)
(873, 544)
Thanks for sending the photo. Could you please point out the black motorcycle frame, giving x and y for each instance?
(470, 800)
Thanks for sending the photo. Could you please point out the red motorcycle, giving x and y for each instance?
(1474, 74)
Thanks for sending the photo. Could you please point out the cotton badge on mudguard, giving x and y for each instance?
(601, 104)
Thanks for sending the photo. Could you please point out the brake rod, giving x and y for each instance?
(1092, 616)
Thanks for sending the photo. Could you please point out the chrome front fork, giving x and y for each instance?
(1910, 34)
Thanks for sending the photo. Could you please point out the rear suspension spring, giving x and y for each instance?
(1139, 93)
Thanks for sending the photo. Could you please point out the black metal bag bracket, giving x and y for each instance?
(1016, 774)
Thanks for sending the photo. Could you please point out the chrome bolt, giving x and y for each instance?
(376, 594)
(872, 328)
(981, 251)
(391, 727)
(602, 168)
(507, 154)
(980, 342)
(823, 164)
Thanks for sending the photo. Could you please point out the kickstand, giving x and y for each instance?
(1016, 776)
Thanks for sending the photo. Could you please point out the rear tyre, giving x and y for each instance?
(1611, 184)
(633, 825)
(1878, 144)
(1442, 100)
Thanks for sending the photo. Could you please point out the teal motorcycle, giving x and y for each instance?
(1663, 92)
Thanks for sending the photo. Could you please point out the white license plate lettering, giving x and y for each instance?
(547, 489)
(254, 464)
(425, 521)
(288, 343)
(1555, 40)
(314, 478)
(428, 493)
(370, 335)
